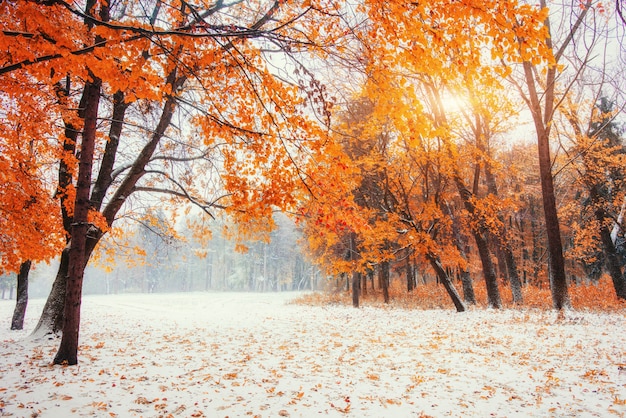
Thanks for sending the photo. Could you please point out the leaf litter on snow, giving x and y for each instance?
(242, 354)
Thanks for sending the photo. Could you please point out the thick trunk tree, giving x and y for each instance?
(52, 316)
(68, 349)
(51, 319)
(21, 303)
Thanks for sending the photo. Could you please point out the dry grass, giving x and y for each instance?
(599, 297)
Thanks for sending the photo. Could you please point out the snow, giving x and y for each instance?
(256, 355)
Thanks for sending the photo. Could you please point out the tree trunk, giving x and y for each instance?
(514, 279)
(491, 281)
(356, 284)
(468, 288)
(410, 278)
(613, 264)
(383, 278)
(68, 349)
(19, 313)
(447, 283)
(496, 249)
(51, 319)
(364, 283)
(556, 262)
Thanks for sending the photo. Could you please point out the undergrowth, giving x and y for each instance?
(594, 297)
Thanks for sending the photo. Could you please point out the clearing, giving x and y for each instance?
(257, 355)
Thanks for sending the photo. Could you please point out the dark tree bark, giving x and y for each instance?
(356, 284)
(68, 349)
(364, 283)
(514, 279)
(491, 281)
(17, 323)
(383, 277)
(468, 287)
(447, 283)
(556, 263)
(613, 262)
(51, 319)
(410, 279)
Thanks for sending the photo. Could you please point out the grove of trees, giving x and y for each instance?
(472, 140)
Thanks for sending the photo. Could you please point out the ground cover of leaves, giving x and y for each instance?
(257, 355)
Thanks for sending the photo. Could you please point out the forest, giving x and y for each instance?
(475, 146)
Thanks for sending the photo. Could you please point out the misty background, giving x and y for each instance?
(151, 261)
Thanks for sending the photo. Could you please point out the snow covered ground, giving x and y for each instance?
(255, 355)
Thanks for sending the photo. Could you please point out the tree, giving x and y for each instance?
(22, 296)
(540, 94)
(180, 60)
(601, 152)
